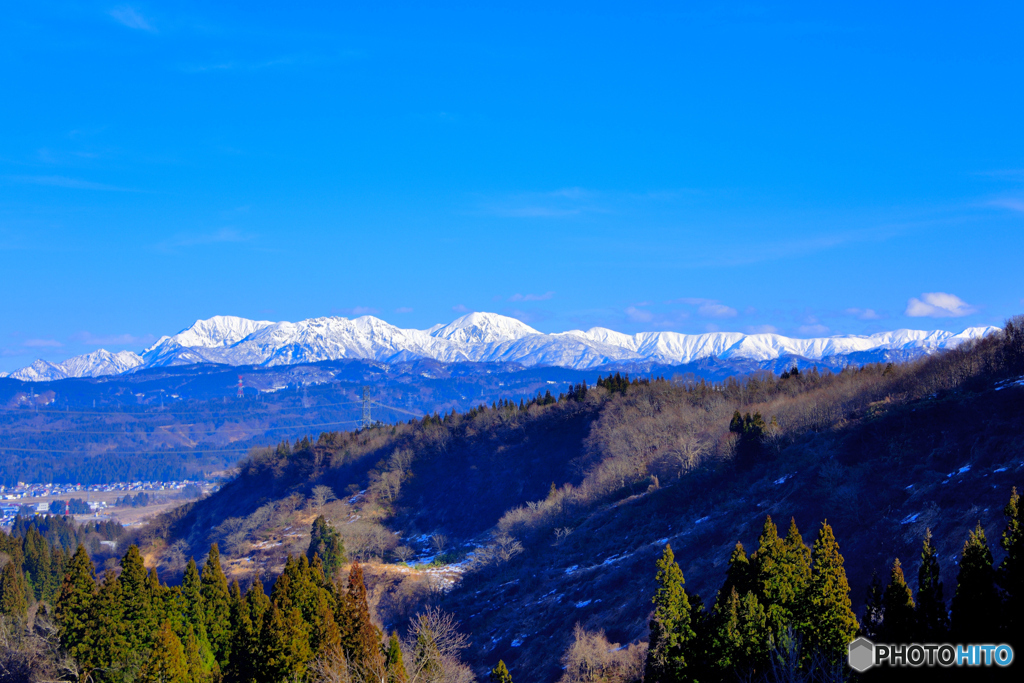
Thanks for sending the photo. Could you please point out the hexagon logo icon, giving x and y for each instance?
(862, 654)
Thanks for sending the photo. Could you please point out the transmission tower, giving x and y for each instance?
(367, 421)
(240, 392)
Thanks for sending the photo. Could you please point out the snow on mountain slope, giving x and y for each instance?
(95, 364)
(476, 337)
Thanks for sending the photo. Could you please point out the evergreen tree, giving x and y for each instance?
(931, 615)
(740, 574)
(976, 602)
(285, 642)
(13, 592)
(246, 657)
(393, 661)
(216, 605)
(167, 663)
(363, 639)
(1011, 570)
(780, 568)
(828, 600)
(136, 602)
(672, 634)
(107, 644)
(871, 625)
(75, 600)
(898, 624)
(37, 563)
(192, 595)
(500, 674)
(742, 640)
(325, 542)
(202, 666)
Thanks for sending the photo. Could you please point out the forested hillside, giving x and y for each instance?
(540, 525)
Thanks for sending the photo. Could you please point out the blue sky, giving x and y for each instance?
(795, 167)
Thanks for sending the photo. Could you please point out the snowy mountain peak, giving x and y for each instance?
(218, 332)
(484, 328)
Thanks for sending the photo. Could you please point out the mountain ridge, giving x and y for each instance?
(477, 337)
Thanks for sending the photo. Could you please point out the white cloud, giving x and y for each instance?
(127, 16)
(938, 305)
(817, 328)
(863, 313)
(639, 315)
(42, 343)
(531, 297)
(762, 329)
(403, 309)
(715, 310)
(707, 308)
(460, 309)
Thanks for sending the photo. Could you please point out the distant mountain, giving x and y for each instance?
(482, 337)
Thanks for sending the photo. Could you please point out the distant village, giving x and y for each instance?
(22, 498)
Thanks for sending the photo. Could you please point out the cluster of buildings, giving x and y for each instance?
(23, 499)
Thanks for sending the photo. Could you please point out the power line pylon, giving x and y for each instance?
(240, 392)
(367, 421)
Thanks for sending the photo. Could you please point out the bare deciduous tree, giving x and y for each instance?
(321, 495)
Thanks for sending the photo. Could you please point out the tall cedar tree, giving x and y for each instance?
(37, 563)
(828, 600)
(217, 605)
(500, 674)
(1011, 570)
(742, 641)
(897, 608)
(325, 542)
(107, 644)
(13, 592)
(740, 574)
(672, 637)
(975, 608)
(780, 579)
(202, 667)
(76, 596)
(393, 661)
(192, 594)
(798, 570)
(136, 604)
(285, 645)
(167, 663)
(931, 615)
(363, 640)
(246, 654)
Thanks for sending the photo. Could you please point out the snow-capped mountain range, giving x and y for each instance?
(476, 337)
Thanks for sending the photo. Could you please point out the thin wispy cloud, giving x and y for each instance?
(42, 344)
(762, 329)
(1010, 203)
(403, 309)
(459, 308)
(938, 305)
(63, 181)
(639, 315)
(708, 308)
(223, 236)
(531, 297)
(126, 15)
(816, 329)
(863, 313)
